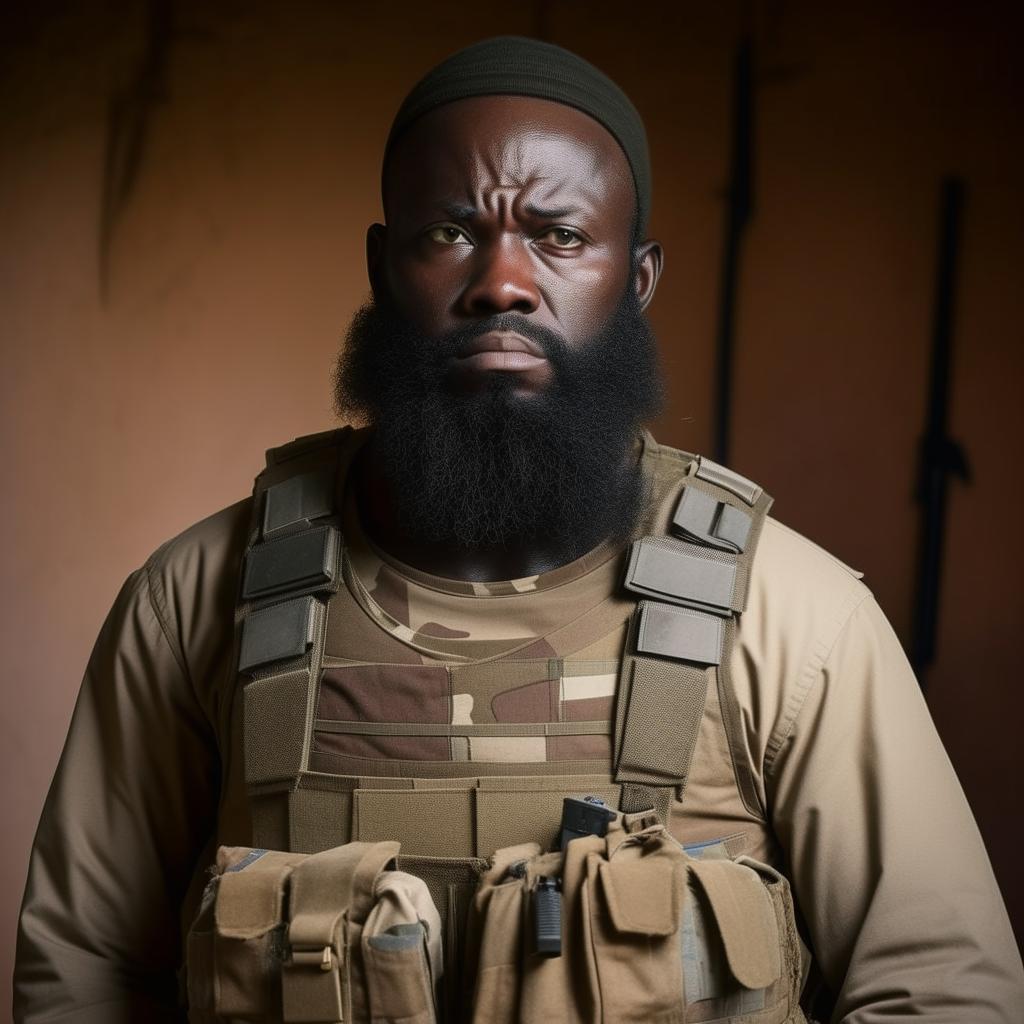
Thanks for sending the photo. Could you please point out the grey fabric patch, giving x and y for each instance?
(281, 631)
(297, 561)
(399, 937)
(706, 973)
(682, 573)
(706, 520)
(680, 633)
(713, 473)
(294, 503)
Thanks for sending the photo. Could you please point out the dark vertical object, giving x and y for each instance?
(740, 210)
(940, 455)
(127, 123)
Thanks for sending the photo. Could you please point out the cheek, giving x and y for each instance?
(584, 296)
(424, 290)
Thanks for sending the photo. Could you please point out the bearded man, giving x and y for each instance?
(438, 627)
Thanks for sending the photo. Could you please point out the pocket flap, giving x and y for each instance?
(643, 897)
(250, 895)
(743, 911)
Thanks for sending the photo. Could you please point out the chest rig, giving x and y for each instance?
(690, 579)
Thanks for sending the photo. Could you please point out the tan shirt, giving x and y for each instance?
(858, 802)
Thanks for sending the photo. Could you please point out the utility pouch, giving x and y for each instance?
(648, 933)
(329, 937)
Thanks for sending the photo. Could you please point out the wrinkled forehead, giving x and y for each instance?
(534, 151)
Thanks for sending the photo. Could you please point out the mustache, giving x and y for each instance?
(457, 343)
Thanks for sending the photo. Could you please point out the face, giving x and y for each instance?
(516, 215)
(505, 363)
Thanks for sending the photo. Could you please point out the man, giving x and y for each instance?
(475, 612)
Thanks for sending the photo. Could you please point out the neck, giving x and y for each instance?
(482, 563)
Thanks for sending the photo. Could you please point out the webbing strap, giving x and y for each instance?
(695, 586)
(595, 728)
(291, 569)
(325, 889)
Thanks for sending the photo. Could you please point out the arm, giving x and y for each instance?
(887, 864)
(131, 807)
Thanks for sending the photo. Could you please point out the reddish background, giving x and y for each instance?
(141, 387)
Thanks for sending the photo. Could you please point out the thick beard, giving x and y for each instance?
(493, 467)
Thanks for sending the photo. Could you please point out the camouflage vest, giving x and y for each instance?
(673, 712)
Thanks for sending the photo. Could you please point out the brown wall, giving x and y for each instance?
(235, 262)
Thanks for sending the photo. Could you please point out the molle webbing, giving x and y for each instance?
(694, 584)
(291, 568)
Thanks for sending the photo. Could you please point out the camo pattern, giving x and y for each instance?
(409, 648)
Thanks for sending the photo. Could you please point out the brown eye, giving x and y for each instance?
(447, 234)
(563, 238)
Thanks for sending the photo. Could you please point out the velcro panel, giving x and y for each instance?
(507, 817)
(319, 819)
(298, 561)
(293, 503)
(701, 517)
(281, 631)
(665, 704)
(275, 727)
(427, 822)
(683, 574)
(744, 489)
(681, 633)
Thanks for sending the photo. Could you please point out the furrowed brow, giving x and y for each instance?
(549, 212)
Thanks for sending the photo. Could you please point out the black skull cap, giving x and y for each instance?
(518, 66)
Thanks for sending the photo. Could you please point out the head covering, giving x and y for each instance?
(517, 66)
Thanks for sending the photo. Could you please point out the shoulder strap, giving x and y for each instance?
(693, 586)
(292, 566)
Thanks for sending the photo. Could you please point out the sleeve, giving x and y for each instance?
(132, 805)
(888, 867)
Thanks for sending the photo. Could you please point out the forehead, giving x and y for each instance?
(542, 151)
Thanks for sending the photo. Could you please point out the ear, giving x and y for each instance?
(376, 236)
(650, 260)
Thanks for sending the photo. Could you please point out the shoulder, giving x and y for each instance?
(193, 582)
(793, 575)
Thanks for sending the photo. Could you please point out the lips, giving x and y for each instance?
(502, 351)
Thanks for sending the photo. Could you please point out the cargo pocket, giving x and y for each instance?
(248, 937)
(398, 976)
(635, 911)
(738, 955)
(494, 937)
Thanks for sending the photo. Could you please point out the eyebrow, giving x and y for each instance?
(548, 212)
(459, 211)
(464, 211)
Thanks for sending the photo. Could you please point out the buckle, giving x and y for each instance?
(323, 958)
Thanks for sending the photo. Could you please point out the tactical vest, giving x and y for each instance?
(450, 817)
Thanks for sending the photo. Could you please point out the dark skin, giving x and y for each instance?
(502, 204)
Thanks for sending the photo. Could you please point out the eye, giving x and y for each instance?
(563, 238)
(447, 234)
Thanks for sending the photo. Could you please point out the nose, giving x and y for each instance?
(502, 281)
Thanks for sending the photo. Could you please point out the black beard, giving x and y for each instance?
(492, 467)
